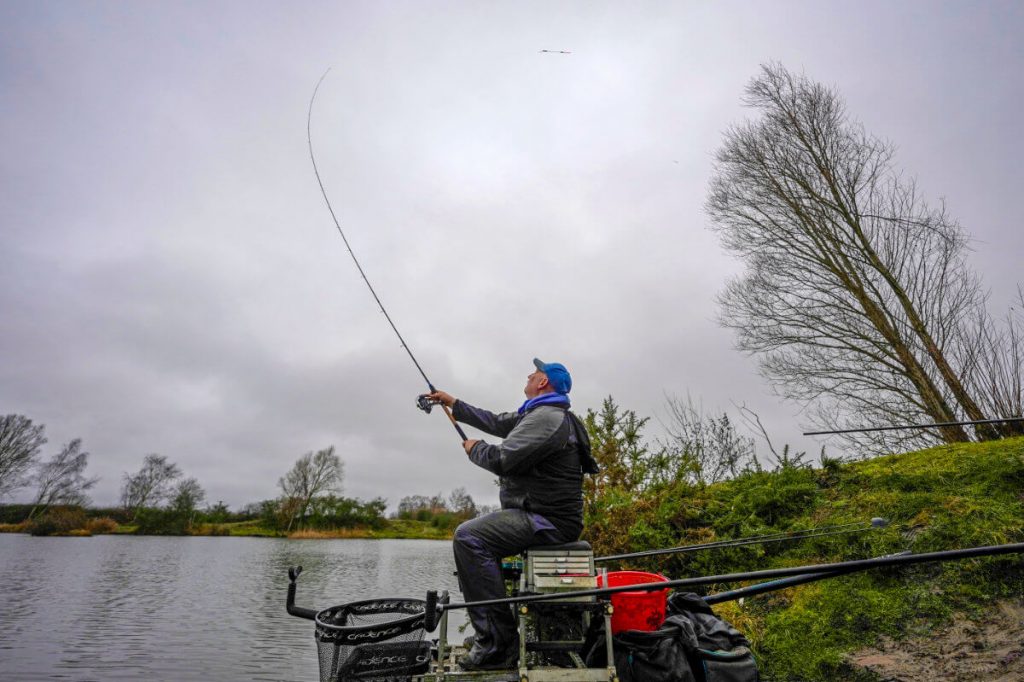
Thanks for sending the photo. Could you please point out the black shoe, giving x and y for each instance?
(478, 659)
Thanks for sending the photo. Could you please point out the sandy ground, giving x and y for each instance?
(989, 650)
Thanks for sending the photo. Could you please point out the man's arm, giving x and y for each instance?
(499, 425)
(536, 435)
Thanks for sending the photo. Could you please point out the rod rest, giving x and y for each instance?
(293, 576)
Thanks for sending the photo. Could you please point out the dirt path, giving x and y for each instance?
(989, 650)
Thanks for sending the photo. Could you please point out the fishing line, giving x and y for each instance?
(421, 402)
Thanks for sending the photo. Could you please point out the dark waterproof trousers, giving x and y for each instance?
(480, 544)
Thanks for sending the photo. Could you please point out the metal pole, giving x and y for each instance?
(917, 426)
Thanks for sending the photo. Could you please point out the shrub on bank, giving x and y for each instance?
(162, 522)
(331, 511)
(12, 514)
(14, 527)
(103, 525)
(58, 521)
(119, 515)
(327, 512)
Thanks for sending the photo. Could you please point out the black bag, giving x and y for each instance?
(722, 653)
(658, 656)
(692, 645)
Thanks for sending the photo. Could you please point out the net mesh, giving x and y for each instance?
(376, 639)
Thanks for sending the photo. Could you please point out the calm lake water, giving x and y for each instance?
(203, 608)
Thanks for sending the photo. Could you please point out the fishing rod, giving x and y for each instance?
(918, 426)
(822, 531)
(780, 584)
(421, 401)
(841, 567)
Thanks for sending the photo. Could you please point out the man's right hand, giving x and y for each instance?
(441, 397)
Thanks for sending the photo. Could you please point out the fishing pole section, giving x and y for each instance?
(422, 402)
(939, 425)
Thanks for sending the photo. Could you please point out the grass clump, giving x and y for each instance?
(103, 525)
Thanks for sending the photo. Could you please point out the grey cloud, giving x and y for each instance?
(170, 280)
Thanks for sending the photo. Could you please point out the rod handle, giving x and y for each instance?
(451, 418)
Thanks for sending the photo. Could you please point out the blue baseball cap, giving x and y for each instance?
(558, 375)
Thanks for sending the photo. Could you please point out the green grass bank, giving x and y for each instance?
(946, 497)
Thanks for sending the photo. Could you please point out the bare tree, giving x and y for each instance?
(460, 502)
(150, 486)
(411, 504)
(20, 442)
(186, 497)
(313, 474)
(856, 293)
(705, 449)
(62, 479)
(994, 353)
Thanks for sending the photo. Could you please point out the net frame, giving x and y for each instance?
(350, 637)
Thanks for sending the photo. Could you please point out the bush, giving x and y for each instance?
(14, 513)
(446, 520)
(120, 515)
(161, 522)
(58, 521)
(101, 526)
(14, 527)
(331, 511)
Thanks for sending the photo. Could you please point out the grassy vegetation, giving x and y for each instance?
(395, 529)
(946, 497)
(80, 526)
(392, 529)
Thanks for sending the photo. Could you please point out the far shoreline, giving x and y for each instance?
(396, 529)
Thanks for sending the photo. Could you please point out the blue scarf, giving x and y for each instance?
(544, 399)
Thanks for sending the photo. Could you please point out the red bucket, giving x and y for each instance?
(636, 610)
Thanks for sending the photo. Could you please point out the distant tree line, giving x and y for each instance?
(158, 499)
(439, 511)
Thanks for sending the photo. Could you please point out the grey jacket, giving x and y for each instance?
(541, 462)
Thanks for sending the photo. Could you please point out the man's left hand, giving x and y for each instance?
(468, 444)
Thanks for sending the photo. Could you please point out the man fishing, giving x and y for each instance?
(541, 464)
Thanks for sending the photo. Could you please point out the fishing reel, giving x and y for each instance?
(424, 403)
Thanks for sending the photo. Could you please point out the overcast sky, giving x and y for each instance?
(171, 281)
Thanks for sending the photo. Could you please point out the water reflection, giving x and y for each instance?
(127, 608)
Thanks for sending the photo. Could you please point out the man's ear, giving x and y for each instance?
(544, 381)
